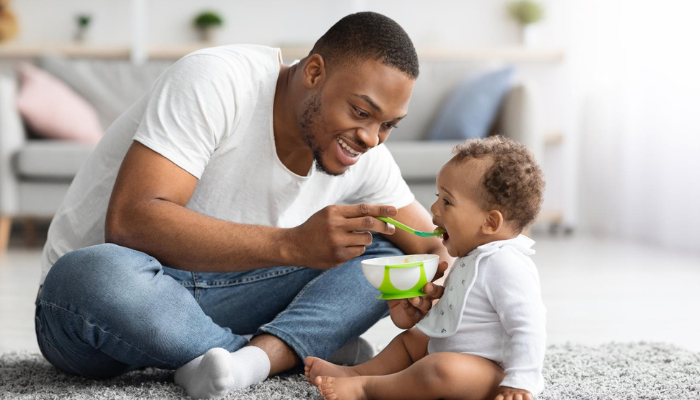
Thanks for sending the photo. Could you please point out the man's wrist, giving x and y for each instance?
(287, 249)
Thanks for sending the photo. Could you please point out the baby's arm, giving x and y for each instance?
(513, 288)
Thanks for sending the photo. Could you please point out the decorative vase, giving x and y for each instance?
(208, 33)
(82, 27)
(80, 35)
(8, 22)
(529, 35)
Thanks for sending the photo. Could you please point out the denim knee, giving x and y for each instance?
(118, 301)
(94, 274)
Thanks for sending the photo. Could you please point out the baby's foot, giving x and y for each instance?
(316, 367)
(332, 388)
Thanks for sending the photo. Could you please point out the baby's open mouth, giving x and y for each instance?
(442, 232)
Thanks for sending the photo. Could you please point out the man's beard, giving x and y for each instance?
(311, 121)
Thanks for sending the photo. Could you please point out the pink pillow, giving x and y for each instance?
(53, 110)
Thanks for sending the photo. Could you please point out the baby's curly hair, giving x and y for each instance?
(513, 183)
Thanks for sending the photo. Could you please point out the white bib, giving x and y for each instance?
(444, 318)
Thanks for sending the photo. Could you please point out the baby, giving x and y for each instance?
(485, 337)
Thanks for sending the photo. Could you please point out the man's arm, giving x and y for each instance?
(406, 313)
(147, 213)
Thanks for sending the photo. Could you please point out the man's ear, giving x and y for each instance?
(493, 223)
(313, 71)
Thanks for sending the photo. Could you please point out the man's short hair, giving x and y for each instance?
(368, 35)
(513, 183)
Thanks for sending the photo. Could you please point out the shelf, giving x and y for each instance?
(510, 54)
(175, 51)
(72, 50)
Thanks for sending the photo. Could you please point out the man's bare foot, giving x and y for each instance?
(332, 388)
(315, 367)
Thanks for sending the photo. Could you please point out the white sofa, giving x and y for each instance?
(35, 173)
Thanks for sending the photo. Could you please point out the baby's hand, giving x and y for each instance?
(509, 393)
(408, 312)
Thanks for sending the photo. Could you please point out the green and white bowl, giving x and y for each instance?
(400, 277)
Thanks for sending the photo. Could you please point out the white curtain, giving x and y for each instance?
(635, 70)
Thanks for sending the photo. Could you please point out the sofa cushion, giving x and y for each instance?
(53, 110)
(472, 107)
(436, 82)
(51, 159)
(41, 198)
(111, 86)
(420, 161)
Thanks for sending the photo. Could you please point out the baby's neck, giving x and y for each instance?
(486, 239)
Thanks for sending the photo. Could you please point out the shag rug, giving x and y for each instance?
(639, 371)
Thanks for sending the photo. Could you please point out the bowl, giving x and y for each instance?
(400, 277)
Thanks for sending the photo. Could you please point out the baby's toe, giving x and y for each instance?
(320, 380)
(325, 387)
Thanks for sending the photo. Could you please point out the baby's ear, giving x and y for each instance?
(493, 223)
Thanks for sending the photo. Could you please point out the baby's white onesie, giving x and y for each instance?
(492, 308)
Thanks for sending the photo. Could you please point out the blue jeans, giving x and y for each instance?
(105, 310)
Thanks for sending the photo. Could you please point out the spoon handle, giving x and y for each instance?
(396, 223)
(407, 228)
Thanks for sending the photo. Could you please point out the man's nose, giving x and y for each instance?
(369, 135)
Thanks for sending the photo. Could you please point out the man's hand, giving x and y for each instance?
(406, 313)
(509, 393)
(337, 234)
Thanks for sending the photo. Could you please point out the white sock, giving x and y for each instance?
(217, 372)
(249, 365)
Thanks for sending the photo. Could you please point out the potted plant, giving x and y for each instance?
(207, 23)
(83, 23)
(8, 21)
(526, 13)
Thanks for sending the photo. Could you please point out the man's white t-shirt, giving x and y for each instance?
(211, 114)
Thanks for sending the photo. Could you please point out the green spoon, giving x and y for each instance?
(409, 229)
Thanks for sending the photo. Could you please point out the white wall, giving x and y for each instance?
(451, 23)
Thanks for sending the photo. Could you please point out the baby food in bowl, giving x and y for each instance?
(400, 277)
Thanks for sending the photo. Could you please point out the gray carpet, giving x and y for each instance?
(639, 371)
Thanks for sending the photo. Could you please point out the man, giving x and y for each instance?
(238, 198)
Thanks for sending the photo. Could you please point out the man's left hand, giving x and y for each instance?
(509, 393)
(406, 313)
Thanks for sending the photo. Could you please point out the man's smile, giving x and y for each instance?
(347, 151)
(348, 148)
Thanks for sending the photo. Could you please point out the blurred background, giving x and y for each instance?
(605, 93)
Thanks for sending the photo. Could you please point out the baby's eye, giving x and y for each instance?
(445, 201)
